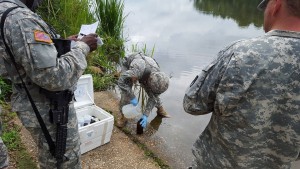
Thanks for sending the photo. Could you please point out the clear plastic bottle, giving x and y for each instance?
(130, 111)
(87, 119)
(80, 121)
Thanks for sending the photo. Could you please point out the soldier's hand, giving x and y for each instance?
(73, 37)
(91, 41)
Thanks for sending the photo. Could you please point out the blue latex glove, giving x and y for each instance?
(134, 101)
(143, 123)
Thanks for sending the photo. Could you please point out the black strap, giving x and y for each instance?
(147, 71)
(8, 51)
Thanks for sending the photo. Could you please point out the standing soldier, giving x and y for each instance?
(253, 91)
(27, 41)
(138, 67)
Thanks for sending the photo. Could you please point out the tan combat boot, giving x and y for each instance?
(161, 112)
(121, 121)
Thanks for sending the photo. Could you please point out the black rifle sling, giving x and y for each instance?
(147, 71)
(38, 116)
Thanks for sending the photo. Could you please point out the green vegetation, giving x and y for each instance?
(5, 89)
(12, 140)
(110, 13)
(64, 15)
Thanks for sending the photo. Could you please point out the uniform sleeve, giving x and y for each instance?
(136, 70)
(39, 59)
(153, 101)
(200, 96)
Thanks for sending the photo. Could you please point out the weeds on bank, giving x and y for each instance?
(110, 13)
(64, 15)
(12, 140)
(5, 89)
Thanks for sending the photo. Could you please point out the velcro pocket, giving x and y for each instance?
(43, 54)
(198, 81)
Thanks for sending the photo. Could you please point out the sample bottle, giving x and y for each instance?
(139, 128)
(130, 111)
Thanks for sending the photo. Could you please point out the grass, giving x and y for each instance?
(11, 138)
(63, 15)
(5, 91)
(110, 13)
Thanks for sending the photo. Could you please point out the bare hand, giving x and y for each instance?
(91, 41)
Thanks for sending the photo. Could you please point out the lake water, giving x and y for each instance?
(187, 35)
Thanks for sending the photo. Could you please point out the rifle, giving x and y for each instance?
(59, 110)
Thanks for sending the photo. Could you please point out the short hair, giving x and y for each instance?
(294, 7)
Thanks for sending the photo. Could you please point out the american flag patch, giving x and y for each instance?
(42, 37)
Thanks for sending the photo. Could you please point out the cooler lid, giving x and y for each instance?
(84, 94)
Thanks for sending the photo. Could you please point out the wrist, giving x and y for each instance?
(83, 46)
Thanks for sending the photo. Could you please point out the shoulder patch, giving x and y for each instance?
(41, 36)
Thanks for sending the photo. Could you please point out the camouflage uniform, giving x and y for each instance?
(39, 67)
(252, 90)
(135, 65)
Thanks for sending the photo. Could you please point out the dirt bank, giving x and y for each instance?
(120, 153)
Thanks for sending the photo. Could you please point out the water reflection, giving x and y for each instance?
(156, 122)
(243, 12)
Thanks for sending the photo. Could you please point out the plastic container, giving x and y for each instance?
(87, 119)
(139, 128)
(80, 121)
(94, 134)
(130, 111)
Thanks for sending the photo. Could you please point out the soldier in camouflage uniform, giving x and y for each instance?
(30, 40)
(253, 91)
(138, 67)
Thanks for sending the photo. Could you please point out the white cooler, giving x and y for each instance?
(98, 133)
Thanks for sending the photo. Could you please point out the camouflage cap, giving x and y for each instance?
(158, 82)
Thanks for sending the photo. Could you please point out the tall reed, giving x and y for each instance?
(110, 14)
(66, 16)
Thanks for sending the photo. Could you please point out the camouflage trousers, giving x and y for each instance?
(46, 160)
(125, 99)
(3, 150)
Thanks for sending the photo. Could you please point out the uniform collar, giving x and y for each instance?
(17, 2)
(283, 33)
